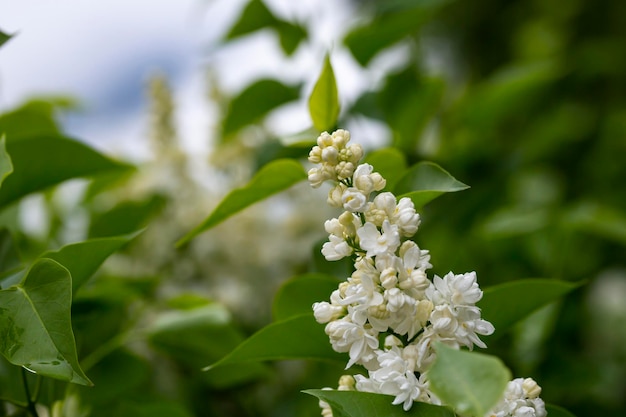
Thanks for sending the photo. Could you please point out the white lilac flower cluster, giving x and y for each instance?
(389, 293)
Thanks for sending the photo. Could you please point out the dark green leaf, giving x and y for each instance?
(9, 257)
(297, 295)
(505, 304)
(556, 411)
(471, 383)
(597, 219)
(4, 38)
(257, 100)
(426, 181)
(324, 99)
(202, 335)
(35, 117)
(367, 404)
(35, 326)
(126, 217)
(271, 179)
(82, 259)
(290, 36)
(6, 166)
(386, 29)
(43, 161)
(255, 16)
(298, 337)
(389, 162)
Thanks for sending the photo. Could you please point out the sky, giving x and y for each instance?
(102, 53)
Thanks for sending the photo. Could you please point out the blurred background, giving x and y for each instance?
(525, 101)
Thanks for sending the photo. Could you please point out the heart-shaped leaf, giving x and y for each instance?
(35, 323)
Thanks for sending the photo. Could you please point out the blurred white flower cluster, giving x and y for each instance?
(389, 294)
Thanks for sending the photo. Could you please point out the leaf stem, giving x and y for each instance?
(30, 403)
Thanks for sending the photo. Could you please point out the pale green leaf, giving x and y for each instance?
(324, 99)
(298, 337)
(389, 162)
(367, 404)
(297, 295)
(469, 382)
(35, 323)
(271, 179)
(6, 166)
(426, 181)
(40, 162)
(505, 304)
(82, 259)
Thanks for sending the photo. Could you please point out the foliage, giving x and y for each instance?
(520, 100)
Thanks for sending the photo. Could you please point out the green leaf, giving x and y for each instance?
(298, 337)
(256, 101)
(126, 217)
(255, 16)
(388, 28)
(9, 257)
(271, 179)
(4, 38)
(471, 383)
(35, 117)
(297, 295)
(82, 259)
(35, 324)
(389, 162)
(40, 162)
(556, 411)
(597, 219)
(6, 166)
(425, 181)
(505, 304)
(202, 335)
(367, 404)
(324, 99)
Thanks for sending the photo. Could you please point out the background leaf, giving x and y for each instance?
(42, 161)
(324, 99)
(35, 327)
(389, 162)
(126, 217)
(82, 259)
(367, 404)
(202, 335)
(271, 179)
(471, 383)
(298, 337)
(505, 304)
(256, 101)
(9, 256)
(4, 38)
(6, 166)
(297, 295)
(426, 181)
(556, 411)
